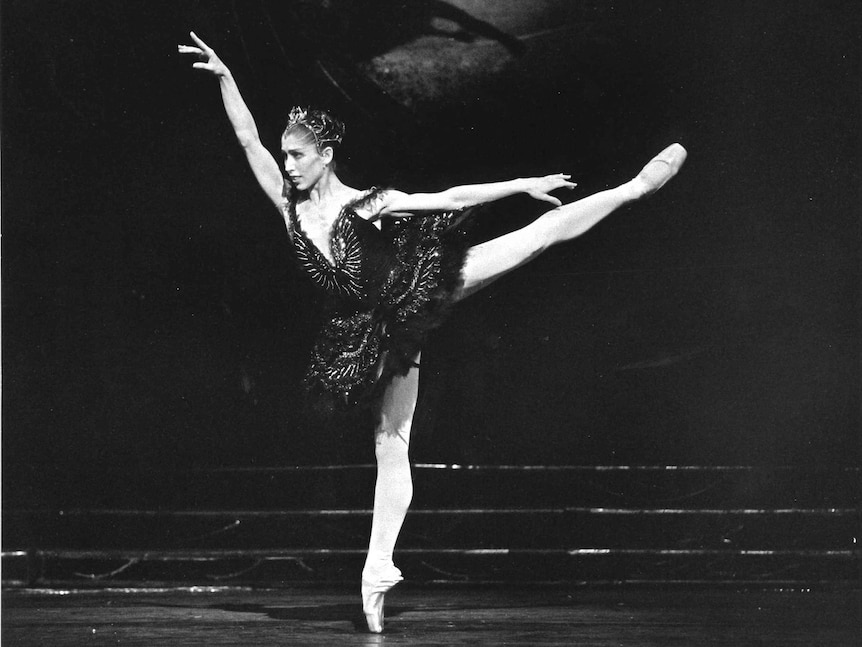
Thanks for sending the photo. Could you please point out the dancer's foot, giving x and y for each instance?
(659, 170)
(375, 584)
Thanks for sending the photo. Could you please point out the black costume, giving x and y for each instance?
(385, 291)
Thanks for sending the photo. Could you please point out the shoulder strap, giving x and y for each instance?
(367, 202)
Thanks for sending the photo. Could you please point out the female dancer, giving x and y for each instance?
(389, 275)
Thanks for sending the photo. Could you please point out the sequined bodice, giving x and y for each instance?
(360, 257)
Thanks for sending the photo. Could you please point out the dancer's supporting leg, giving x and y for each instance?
(489, 261)
(392, 493)
(484, 264)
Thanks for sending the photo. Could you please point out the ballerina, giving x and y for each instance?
(390, 265)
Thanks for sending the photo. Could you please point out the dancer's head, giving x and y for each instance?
(309, 142)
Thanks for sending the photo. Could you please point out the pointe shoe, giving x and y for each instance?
(661, 168)
(374, 588)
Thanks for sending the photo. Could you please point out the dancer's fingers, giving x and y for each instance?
(205, 49)
(199, 42)
(188, 49)
(561, 181)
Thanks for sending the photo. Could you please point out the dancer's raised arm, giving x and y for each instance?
(459, 197)
(262, 163)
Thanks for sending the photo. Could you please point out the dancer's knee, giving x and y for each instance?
(392, 442)
(552, 228)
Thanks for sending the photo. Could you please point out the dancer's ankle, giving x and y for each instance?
(634, 189)
(377, 562)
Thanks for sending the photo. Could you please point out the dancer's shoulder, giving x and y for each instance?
(370, 204)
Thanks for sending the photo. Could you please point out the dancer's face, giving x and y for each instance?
(303, 163)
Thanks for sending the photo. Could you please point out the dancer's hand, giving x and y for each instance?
(540, 187)
(209, 59)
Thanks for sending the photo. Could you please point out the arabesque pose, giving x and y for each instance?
(390, 264)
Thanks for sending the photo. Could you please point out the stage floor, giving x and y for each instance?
(434, 616)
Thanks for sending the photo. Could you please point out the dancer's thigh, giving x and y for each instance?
(397, 407)
(487, 262)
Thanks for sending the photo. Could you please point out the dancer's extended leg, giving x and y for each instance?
(489, 261)
(392, 493)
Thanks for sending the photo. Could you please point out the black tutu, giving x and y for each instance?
(386, 290)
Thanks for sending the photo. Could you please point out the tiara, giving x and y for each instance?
(324, 127)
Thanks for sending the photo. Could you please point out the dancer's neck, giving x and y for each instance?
(327, 188)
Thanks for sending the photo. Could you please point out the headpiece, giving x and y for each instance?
(327, 130)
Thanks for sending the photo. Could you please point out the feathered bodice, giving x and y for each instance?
(361, 257)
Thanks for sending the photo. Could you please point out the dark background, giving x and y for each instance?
(152, 320)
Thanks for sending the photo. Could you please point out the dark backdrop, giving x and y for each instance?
(152, 320)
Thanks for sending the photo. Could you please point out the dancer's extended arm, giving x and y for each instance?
(459, 197)
(262, 163)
